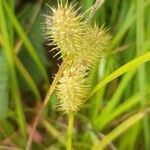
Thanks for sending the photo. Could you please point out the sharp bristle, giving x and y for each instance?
(53, 49)
(67, 4)
(58, 53)
(47, 5)
(61, 3)
(73, 4)
(46, 16)
(59, 57)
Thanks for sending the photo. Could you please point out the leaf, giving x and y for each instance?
(102, 121)
(32, 85)
(113, 102)
(3, 86)
(12, 74)
(140, 37)
(26, 41)
(133, 64)
(120, 129)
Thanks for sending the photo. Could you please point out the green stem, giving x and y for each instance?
(70, 128)
(46, 100)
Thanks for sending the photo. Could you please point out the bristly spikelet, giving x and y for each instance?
(81, 46)
(94, 42)
(72, 89)
(64, 27)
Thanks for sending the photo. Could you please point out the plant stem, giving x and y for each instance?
(31, 22)
(70, 130)
(95, 7)
(46, 100)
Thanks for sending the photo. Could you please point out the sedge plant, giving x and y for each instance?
(81, 46)
(113, 101)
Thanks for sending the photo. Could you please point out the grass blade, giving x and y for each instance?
(3, 86)
(27, 78)
(26, 41)
(125, 68)
(120, 129)
(54, 132)
(10, 61)
(140, 36)
(116, 97)
(128, 104)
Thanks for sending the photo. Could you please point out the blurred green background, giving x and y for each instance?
(27, 67)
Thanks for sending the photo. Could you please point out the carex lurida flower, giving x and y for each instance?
(64, 28)
(72, 88)
(81, 45)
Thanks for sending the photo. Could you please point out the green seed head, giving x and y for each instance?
(72, 89)
(64, 28)
(81, 46)
(94, 44)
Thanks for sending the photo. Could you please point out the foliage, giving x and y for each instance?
(116, 114)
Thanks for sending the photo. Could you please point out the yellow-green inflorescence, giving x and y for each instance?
(72, 88)
(81, 46)
(65, 30)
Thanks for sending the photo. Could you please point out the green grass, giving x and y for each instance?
(116, 113)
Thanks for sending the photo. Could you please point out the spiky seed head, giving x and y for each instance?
(72, 89)
(81, 45)
(65, 29)
(94, 42)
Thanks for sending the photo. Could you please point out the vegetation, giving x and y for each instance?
(101, 64)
